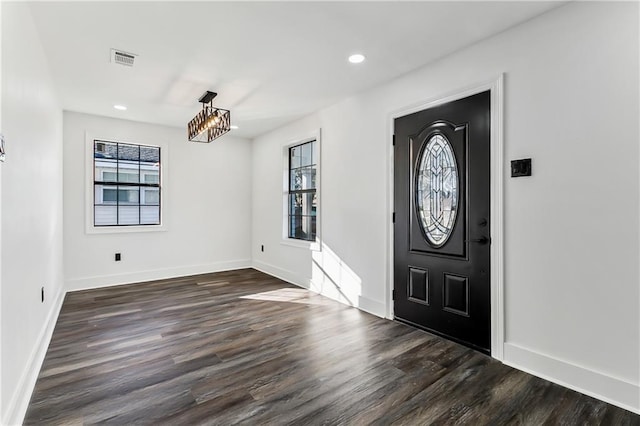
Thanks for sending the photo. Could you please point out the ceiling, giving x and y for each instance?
(270, 62)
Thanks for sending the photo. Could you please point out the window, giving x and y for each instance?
(126, 184)
(302, 197)
(437, 190)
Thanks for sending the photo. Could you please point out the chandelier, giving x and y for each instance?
(210, 123)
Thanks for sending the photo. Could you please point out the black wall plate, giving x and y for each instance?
(521, 167)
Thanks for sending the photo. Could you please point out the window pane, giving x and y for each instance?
(106, 170)
(306, 154)
(128, 152)
(109, 195)
(290, 223)
(308, 207)
(303, 204)
(103, 149)
(150, 215)
(150, 164)
(149, 154)
(309, 233)
(151, 177)
(127, 174)
(151, 196)
(302, 227)
(308, 178)
(304, 178)
(295, 227)
(314, 204)
(128, 215)
(295, 154)
(128, 195)
(109, 176)
(105, 194)
(295, 204)
(295, 180)
(105, 215)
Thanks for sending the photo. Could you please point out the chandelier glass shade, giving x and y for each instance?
(210, 123)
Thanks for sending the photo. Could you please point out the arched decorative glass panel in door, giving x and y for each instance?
(437, 190)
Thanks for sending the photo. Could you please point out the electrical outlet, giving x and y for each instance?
(118, 257)
(262, 247)
(42, 294)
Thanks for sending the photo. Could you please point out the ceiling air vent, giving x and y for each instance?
(122, 58)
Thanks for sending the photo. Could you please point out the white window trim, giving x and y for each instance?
(90, 227)
(293, 242)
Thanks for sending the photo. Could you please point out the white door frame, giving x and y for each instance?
(495, 85)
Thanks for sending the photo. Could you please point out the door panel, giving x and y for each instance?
(441, 231)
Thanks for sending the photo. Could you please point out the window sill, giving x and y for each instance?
(125, 229)
(309, 245)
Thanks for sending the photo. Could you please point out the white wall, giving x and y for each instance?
(31, 208)
(571, 230)
(1, 393)
(206, 209)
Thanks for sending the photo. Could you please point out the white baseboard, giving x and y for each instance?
(372, 306)
(368, 305)
(609, 389)
(155, 274)
(283, 274)
(17, 408)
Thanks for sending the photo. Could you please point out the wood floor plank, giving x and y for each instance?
(243, 347)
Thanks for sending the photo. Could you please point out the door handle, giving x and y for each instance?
(481, 240)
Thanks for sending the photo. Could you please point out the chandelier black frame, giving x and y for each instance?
(210, 123)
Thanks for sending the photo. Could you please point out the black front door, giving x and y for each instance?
(442, 234)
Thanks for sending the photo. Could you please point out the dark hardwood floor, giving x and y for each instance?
(242, 347)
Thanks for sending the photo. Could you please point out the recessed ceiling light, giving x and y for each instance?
(356, 58)
(120, 107)
(233, 127)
